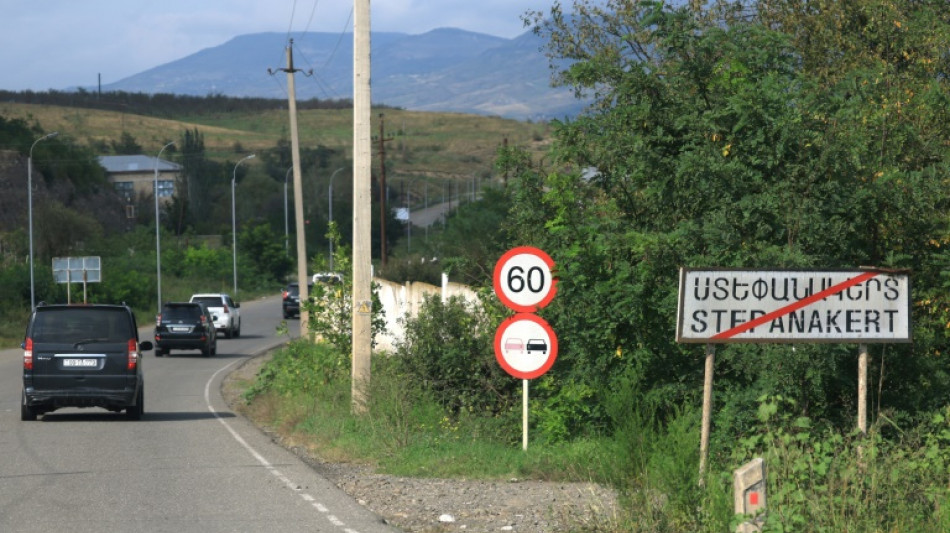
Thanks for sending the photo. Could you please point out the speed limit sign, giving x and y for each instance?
(523, 279)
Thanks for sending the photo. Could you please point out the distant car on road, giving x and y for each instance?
(291, 299)
(82, 356)
(226, 312)
(185, 326)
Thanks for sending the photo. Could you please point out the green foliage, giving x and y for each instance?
(720, 139)
(301, 367)
(126, 145)
(330, 304)
(263, 249)
(821, 480)
(472, 239)
(447, 350)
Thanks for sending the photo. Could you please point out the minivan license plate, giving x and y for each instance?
(80, 362)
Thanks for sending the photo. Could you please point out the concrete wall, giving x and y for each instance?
(401, 300)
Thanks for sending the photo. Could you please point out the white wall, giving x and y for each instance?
(400, 300)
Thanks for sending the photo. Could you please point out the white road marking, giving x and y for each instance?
(264, 462)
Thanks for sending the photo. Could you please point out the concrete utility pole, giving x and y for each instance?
(302, 277)
(362, 198)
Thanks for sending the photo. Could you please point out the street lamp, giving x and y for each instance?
(408, 215)
(330, 218)
(29, 193)
(234, 220)
(158, 242)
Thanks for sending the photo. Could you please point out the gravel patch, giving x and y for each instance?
(432, 505)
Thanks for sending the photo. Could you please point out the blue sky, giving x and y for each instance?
(57, 44)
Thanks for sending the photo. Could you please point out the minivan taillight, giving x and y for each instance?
(28, 354)
(133, 354)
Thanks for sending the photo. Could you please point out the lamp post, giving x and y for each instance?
(234, 220)
(29, 193)
(330, 217)
(286, 222)
(158, 242)
(408, 215)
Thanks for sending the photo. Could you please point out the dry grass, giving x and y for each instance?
(436, 145)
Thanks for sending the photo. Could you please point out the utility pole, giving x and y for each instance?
(382, 191)
(362, 334)
(302, 277)
(505, 152)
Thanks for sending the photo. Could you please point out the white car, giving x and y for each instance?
(226, 312)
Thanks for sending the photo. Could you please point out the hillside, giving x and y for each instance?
(446, 69)
(438, 144)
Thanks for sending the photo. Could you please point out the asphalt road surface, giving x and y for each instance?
(190, 464)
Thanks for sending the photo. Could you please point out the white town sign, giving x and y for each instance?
(724, 306)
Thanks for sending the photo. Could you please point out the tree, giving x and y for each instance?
(720, 138)
(265, 251)
(126, 145)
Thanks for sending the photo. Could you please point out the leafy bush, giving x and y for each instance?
(821, 480)
(301, 367)
(330, 304)
(448, 350)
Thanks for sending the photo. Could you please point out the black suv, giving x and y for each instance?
(185, 326)
(82, 356)
(291, 296)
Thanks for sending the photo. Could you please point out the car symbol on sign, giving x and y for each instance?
(514, 345)
(537, 345)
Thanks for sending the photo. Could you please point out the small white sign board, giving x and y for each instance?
(77, 269)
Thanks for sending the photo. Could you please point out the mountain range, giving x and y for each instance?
(446, 69)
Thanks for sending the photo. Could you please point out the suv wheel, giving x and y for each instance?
(159, 352)
(134, 412)
(27, 413)
(237, 332)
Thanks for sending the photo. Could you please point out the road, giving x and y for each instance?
(190, 465)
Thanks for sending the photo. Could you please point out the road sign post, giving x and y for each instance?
(727, 306)
(525, 345)
(74, 269)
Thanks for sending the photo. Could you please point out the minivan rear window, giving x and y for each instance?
(70, 324)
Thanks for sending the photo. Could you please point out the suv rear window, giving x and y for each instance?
(181, 312)
(73, 324)
(210, 301)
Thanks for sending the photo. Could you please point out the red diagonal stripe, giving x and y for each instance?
(834, 289)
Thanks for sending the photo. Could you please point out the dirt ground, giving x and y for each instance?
(448, 505)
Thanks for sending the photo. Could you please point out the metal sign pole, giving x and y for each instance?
(524, 415)
(707, 411)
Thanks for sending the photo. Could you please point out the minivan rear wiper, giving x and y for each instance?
(89, 341)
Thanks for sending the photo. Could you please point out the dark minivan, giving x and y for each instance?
(82, 356)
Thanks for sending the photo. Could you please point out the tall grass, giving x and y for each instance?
(893, 479)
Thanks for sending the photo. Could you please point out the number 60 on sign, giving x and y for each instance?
(523, 279)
